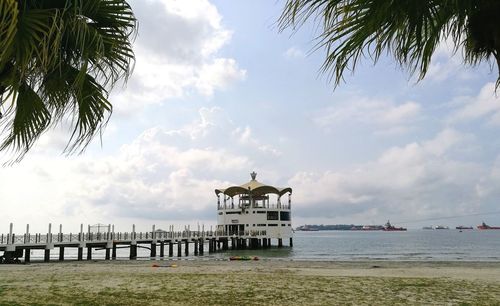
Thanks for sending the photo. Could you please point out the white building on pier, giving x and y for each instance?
(255, 210)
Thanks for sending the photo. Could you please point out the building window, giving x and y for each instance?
(283, 224)
(233, 213)
(220, 213)
(272, 215)
(272, 224)
(253, 225)
(261, 225)
(284, 215)
(261, 212)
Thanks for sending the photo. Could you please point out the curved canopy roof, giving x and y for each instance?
(254, 187)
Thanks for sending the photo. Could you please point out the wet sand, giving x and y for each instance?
(264, 282)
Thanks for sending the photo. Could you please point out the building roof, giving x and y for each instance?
(254, 188)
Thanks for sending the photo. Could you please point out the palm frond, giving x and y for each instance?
(8, 22)
(30, 119)
(71, 53)
(409, 30)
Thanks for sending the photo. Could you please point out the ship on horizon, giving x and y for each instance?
(484, 226)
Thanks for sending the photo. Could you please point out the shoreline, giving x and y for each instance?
(261, 282)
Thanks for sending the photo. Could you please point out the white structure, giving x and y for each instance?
(255, 210)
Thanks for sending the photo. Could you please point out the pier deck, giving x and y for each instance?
(16, 246)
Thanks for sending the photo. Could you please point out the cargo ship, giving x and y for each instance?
(390, 228)
(461, 227)
(484, 226)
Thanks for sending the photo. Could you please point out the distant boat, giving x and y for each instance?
(307, 228)
(372, 228)
(461, 227)
(484, 226)
(441, 227)
(390, 228)
(428, 227)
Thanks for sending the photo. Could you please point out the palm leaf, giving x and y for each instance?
(71, 53)
(409, 30)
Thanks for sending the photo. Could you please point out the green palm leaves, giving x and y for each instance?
(410, 30)
(58, 60)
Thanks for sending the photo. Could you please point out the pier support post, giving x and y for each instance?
(186, 247)
(179, 248)
(291, 242)
(268, 242)
(264, 243)
(80, 253)
(107, 255)
(61, 253)
(153, 249)
(195, 246)
(133, 251)
(89, 253)
(244, 243)
(46, 256)
(170, 249)
(113, 252)
(233, 243)
(27, 254)
(201, 246)
(280, 242)
(162, 249)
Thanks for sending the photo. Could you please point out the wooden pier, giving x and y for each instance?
(19, 246)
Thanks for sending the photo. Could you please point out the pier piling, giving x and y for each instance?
(61, 253)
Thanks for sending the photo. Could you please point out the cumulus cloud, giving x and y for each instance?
(294, 53)
(388, 117)
(486, 105)
(176, 53)
(420, 179)
(160, 176)
(446, 64)
(244, 136)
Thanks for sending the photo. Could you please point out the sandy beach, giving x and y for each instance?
(263, 282)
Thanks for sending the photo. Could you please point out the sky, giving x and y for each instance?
(218, 92)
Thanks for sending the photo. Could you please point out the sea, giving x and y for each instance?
(411, 245)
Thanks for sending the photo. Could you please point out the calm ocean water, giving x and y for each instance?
(432, 245)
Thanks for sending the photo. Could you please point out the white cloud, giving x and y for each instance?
(244, 137)
(387, 116)
(294, 53)
(412, 181)
(176, 54)
(445, 64)
(485, 105)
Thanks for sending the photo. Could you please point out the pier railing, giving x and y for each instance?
(49, 237)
